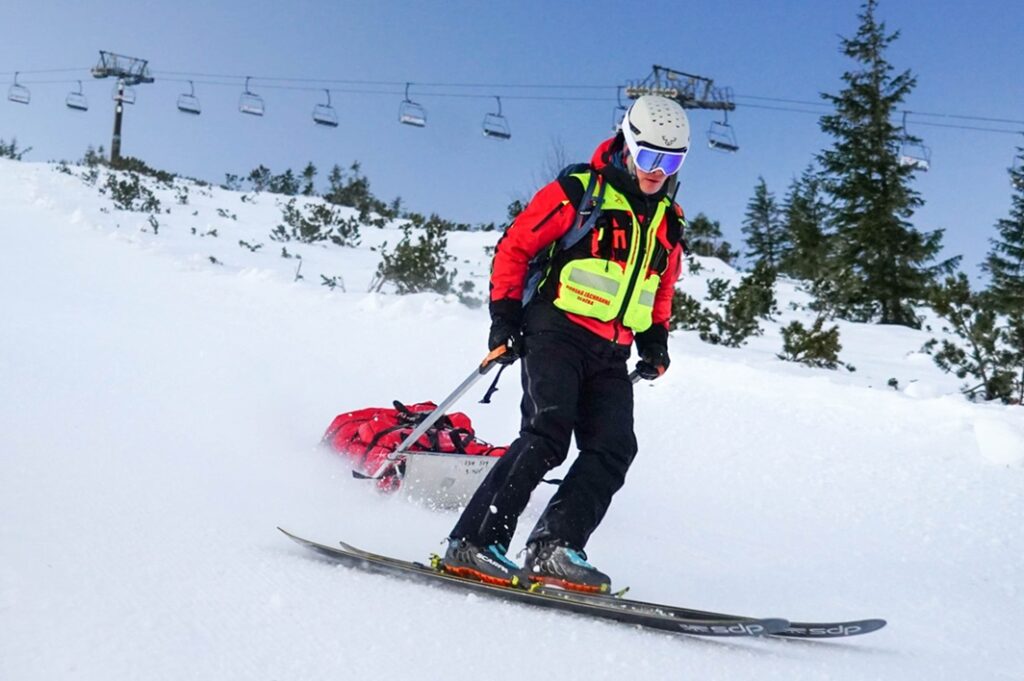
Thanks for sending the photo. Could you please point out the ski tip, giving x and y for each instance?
(293, 537)
(867, 626)
(833, 629)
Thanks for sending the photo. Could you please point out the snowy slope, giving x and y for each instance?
(160, 416)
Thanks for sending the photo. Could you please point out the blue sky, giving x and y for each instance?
(572, 55)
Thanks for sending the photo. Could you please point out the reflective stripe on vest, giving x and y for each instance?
(609, 285)
(597, 288)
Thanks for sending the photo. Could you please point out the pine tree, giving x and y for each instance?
(704, 237)
(814, 347)
(880, 263)
(420, 266)
(11, 150)
(308, 175)
(734, 317)
(805, 215)
(259, 178)
(762, 225)
(1005, 262)
(985, 348)
(1014, 336)
(286, 183)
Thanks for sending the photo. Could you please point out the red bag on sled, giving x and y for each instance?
(367, 436)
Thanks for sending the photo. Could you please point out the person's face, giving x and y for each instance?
(651, 183)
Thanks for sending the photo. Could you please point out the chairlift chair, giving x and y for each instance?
(188, 102)
(18, 93)
(324, 114)
(250, 102)
(496, 126)
(411, 113)
(619, 113)
(913, 153)
(1017, 170)
(77, 100)
(721, 136)
(916, 156)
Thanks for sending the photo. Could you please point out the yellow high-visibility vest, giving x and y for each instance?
(606, 289)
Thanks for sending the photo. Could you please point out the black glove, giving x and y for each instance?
(652, 346)
(506, 329)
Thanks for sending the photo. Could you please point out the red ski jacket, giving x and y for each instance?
(550, 214)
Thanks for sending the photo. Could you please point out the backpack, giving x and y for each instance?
(368, 436)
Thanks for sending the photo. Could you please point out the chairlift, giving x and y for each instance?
(77, 100)
(619, 113)
(721, 136)
(496, 126)
(188, 102)
(324, 114)
(250, 102)
(411, 113)
(123, 93)
(18, 93)
(913, 153)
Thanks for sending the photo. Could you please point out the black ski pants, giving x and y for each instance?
(573, 382)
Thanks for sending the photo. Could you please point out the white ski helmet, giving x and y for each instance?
(657, 133)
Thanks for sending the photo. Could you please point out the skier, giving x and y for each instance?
(613, 286)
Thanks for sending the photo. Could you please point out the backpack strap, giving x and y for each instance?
(410, 417)
(587, 213)
(588, 209)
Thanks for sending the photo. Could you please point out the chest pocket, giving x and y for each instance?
(611, 237)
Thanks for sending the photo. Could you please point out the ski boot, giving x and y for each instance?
(554, 563)
(485, 564)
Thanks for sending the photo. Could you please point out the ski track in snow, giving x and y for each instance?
(161, 415)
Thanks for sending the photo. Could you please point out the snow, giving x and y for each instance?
(161, 414)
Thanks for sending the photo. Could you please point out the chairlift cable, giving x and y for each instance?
(264, 79)
(927, 123)
(264, 84)
(986, 119)
(11, 73)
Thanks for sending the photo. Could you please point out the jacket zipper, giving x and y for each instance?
(549, 216)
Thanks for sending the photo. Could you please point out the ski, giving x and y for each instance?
(802, 630)
(647, 618)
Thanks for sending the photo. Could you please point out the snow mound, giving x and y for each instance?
(999, 441)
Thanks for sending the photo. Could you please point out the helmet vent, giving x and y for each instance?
(659, 123)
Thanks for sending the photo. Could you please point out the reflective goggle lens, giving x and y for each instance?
(649, 161)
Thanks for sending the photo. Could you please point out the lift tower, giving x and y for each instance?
(692, 92)
(129, 71)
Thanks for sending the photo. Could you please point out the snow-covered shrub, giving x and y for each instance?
(417, 266)
(813, 347)
(128, 192)
(990, 347)
(316, 222)
(11, 150)
(736, 313)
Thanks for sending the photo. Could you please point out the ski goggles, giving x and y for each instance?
(649, 160)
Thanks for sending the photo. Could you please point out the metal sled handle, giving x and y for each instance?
(486, 365)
